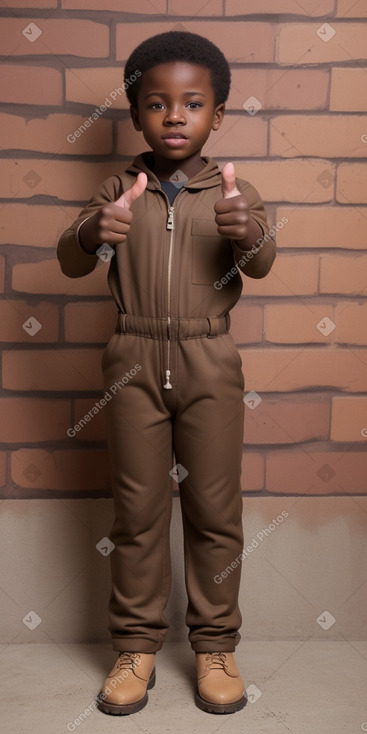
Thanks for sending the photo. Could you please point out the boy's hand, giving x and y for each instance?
(111, 223)
(232, 210)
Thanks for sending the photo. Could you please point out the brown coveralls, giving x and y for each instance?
(182, 396)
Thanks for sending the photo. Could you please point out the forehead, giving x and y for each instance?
(176, 76)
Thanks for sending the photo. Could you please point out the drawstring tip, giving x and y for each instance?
(168, 385)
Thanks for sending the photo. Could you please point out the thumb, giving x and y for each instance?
(138, 188)
(229, 187)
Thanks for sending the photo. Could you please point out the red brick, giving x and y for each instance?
(31, 85)
(61, 37)
(296, 472)
(68, 180)
(290, 275)
(298, 43)
(294, 7)
(73, 470)
(90, 322)
(296, 323)
(281, 370)
(2, 468)
(292, 180)
(352, 182)
(246, 323)
(93, 430)
(298, 89)
(37, 4)
(238, 136)
(193, 8)
(129, 6)
(240, 43)
(65, 369)
(27, 420)
(289, 420)
(46, 277)
(2, 273)
(347, 92)
(349, 419)
(57, 133)
(94, 85)
(343, 274)
(328, 136)
(34, 225)
(253, 472)
(323, 227)
(351, 319)
(15, 313)
(351, 8)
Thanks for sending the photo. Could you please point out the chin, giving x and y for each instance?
(175, 154)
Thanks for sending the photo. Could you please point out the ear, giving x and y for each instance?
(135, 118)
(218, 116)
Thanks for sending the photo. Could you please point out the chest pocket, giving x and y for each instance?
(212, 255)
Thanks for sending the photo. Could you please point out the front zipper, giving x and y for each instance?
(170, 226)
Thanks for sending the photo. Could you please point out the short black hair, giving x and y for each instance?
(178, 46)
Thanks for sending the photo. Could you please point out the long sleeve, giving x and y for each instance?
(255, 265)
(74, 260)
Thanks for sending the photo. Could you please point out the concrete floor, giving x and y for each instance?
(303, 687)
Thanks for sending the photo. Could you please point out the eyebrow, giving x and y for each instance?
(163, 94)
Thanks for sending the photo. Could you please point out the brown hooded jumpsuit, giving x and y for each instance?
(178, 392)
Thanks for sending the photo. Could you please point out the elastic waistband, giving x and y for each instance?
(178, 328)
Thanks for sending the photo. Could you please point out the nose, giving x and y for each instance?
(174, 115)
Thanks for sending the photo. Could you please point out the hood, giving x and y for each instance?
(208, 177)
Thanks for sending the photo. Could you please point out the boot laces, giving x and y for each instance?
(128, 660)
(216, 660)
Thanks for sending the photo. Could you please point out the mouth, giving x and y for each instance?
(174, 136)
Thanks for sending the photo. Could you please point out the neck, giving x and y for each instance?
(164, 168)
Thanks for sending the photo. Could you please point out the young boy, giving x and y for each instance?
(180, 231)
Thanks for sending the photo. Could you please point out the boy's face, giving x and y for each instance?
(176, 99)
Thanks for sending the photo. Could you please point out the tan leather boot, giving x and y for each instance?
(221, 689)
(125, 688)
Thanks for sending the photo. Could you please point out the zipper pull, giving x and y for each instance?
(170, 218)
(168, 385)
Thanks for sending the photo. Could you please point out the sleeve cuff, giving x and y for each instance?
(240, 249)
(78, 238)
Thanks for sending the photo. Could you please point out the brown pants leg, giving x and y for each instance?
(208, 439)
(201, 420)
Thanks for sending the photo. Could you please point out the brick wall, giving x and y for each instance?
(301, 331)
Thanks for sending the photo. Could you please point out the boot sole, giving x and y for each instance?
(220, 708)
(123, 709)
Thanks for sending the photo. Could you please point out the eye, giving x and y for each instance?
(160, 105)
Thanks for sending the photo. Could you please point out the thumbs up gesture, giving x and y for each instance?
(111, 224)
(232, 210)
